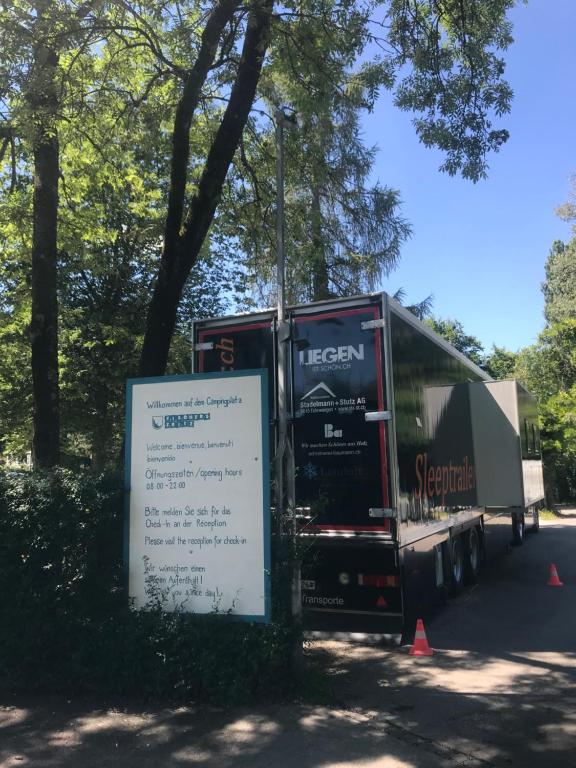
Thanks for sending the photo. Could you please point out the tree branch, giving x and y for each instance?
(227, 139)
(181, 251)
(4, 148)
(187, 105)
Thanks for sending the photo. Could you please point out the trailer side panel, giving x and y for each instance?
(432, 422)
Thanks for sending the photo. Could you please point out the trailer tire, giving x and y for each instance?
(473, 556)
(518, 529)
(456, 565)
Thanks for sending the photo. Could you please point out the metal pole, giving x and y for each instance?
(284, 454)
(281, 319)
(280, 256)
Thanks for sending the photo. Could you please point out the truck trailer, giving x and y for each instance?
(412, 467)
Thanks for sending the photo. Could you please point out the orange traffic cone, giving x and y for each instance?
(420, 647)
(554, 581)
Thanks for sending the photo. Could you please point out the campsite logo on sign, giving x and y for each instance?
(179, 420)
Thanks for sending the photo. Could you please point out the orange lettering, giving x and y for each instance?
(419, 479)
(431, 474)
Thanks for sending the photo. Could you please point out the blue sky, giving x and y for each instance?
(480, 248)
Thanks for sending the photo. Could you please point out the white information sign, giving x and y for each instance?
(197, 469)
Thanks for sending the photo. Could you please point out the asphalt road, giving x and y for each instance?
(500, 690)
(501, 687)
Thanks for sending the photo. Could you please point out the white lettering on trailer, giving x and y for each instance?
(323, 601)
(343, 354)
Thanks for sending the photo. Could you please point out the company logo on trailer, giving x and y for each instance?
(439, 481)
(320, 392)
(331, 358)
(329, 431)
(226, 353)
(310, 471)
(324, 602)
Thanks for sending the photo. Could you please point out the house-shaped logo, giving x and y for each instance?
(319, 392)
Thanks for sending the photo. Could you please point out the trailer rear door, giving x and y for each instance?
(337, 376)
(341, 459)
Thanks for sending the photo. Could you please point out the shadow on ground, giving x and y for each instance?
(567, 511)
(385, 709)
(499, 691)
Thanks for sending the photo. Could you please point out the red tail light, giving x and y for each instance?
(377, 580)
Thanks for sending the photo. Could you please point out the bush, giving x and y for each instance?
(66, 623)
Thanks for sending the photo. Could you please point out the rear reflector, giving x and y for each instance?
(377, 580)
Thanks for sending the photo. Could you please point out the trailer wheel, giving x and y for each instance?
(517, 529)
(456, 565)
(473, 558)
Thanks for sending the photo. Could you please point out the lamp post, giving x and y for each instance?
(282, 328)
(285, 496)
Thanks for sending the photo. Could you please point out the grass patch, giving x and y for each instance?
(549, 514)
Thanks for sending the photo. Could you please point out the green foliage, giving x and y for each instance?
(115, 153)
(549, 514)
(501, 363)
(548, 369)
(558, 417)
(66, 624)
(549, 366)
(567, 211)
(455, 82)
(342, 233)
(453, 332)
(119, 75)
(421, 309)
(560, 286)
(15, 379)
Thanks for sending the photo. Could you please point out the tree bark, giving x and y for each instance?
(320, 280)
(187, 105)
(184, 239)
(43, 99)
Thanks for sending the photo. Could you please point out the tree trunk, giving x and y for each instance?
(320, 284)
(183, 240)
(43, 99)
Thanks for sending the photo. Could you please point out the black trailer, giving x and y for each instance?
(411, 465)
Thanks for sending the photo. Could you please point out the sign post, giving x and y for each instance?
(197, 470)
